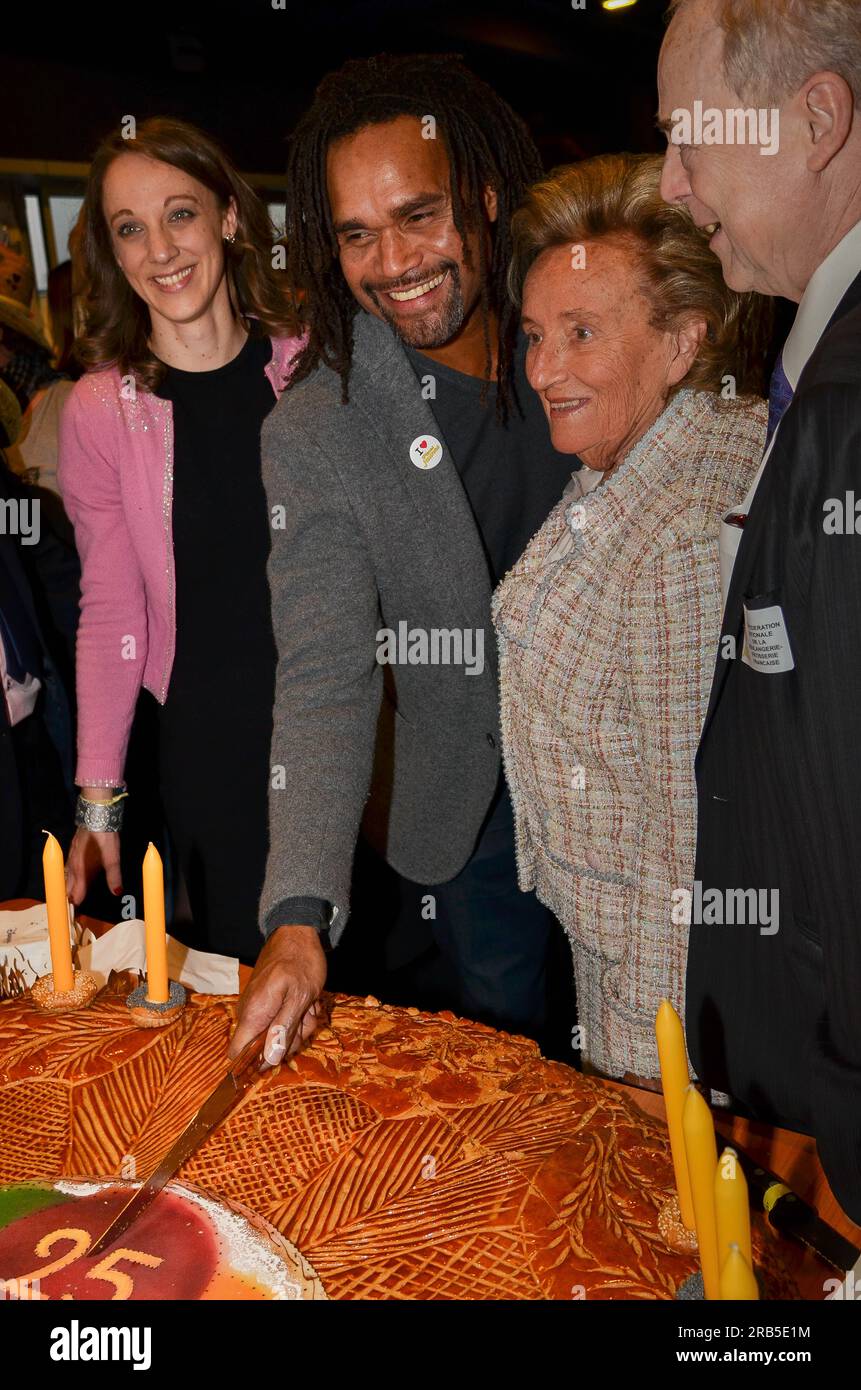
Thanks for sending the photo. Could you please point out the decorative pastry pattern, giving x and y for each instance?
(406, 1155)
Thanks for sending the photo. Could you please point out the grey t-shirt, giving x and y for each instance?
(511, 473)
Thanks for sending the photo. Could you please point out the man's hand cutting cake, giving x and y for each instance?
(283, 994)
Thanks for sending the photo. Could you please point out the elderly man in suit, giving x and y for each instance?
(774, 973)
(411, 465)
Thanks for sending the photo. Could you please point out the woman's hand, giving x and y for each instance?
(90, 851)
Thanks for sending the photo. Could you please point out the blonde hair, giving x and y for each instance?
(771, 47)
(618, 196)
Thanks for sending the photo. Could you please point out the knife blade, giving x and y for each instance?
(244, 1072)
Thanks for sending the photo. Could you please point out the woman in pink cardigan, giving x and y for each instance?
(188, 342)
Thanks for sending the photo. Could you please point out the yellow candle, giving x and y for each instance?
(156, 939)
(675, 1080)
(58, 915)
(701, 1148)
(732, 1209)
(737, 1281)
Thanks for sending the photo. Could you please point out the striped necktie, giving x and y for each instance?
(779, 396)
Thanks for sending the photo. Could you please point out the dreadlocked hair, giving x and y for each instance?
(487, 144)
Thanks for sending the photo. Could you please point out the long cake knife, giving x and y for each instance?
(792, 1217)
(243, 1074)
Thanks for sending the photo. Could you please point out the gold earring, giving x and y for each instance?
(231, 237)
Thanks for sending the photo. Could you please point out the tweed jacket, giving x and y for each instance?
(607, 630)
(371, 541)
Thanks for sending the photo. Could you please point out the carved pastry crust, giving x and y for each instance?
(406, 1155)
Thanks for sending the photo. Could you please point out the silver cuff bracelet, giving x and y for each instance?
(100, 815)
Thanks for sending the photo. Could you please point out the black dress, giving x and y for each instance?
(216, 725)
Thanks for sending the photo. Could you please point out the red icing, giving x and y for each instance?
(409, 1155)
(174, 1230)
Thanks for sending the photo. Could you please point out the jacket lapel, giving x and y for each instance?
(733, 619)
(850, 301)
(733, 624)
(382, 373)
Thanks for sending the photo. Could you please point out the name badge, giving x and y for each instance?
(766, 641)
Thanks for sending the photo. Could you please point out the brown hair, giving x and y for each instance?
(117, 321)
(60, 304)
(618, 195)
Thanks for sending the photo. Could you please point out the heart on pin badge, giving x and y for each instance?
(425, 451)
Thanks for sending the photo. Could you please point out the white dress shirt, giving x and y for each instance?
(827, 286)
(20, 697)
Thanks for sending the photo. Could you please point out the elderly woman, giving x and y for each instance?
(608, 623)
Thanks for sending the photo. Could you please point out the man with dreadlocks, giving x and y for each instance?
(410, 464)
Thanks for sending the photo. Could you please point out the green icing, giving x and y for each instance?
(22, 1198)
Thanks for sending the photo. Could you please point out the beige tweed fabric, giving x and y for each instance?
(606, 661)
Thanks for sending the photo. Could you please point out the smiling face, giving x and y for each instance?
(602, 371)
(166, 230)
(399, 249)
(750, 199)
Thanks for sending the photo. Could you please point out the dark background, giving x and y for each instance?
(583, 79)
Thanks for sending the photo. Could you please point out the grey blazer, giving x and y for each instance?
(364, 539)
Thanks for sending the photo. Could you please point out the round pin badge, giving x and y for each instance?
(425, 451)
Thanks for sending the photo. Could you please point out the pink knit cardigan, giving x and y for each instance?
(116, 479)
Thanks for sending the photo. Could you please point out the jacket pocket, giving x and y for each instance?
(592, 903)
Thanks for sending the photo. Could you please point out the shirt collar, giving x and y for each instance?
(826, 288)
(587, 479)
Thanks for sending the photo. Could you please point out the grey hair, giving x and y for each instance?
(771, 47)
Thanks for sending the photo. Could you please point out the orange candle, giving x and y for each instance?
(58, 915)
(701, 1149)
(737, 1281)
(675, 1080)
(156, 937)
(732, 1208)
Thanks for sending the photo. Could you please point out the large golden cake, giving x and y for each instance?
(405, 1155)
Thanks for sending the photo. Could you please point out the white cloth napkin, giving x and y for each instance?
(24, 952)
